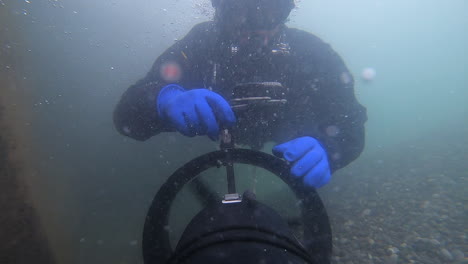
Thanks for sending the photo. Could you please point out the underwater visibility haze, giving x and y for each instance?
(74, 190)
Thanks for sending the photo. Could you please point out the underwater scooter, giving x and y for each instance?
(238, 228)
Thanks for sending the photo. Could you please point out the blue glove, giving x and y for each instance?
(194, 112)
(309, 158)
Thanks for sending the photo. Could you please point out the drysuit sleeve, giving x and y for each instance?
(325, 105)
(341, 121)
(135, 115)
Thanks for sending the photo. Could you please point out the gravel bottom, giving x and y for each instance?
(401, 210)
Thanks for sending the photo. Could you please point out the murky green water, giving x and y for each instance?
(72, 60)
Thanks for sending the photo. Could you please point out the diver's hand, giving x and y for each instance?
(194, 112)
(309, 158)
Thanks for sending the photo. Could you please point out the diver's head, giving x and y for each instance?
(234, 16)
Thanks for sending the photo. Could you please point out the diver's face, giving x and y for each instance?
(249, 15)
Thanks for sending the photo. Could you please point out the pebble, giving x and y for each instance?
(446, 254)
(434, 242)
(393, 250)
(425, 204)
(393, 259)
(366, 212)
(458, 255)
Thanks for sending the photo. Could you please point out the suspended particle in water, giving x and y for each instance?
(126, 130)
(332, 131)
(336, 156)
(368, 74)
(345, 78)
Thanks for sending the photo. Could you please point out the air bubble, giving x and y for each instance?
(368, 74)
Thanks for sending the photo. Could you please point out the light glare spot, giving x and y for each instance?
(368, 74)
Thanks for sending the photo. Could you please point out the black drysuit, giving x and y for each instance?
(320, 99)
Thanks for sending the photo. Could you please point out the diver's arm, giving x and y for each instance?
(135, 115)
(340, 117)
(324, 105)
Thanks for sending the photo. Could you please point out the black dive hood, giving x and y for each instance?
(252, 15)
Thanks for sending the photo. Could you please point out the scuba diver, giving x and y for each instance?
(247, 73)
(320, 128)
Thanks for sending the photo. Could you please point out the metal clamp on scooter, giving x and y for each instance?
(226, 145)
(254, 94)
(245, 97)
